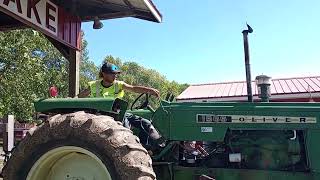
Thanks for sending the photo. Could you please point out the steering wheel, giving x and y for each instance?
(143, 105)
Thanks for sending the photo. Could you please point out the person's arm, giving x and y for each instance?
(141, 89)
(84, 93)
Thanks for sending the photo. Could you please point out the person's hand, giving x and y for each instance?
(84, 93)
(155, 92)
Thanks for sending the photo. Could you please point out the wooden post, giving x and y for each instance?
(8, 133)
(74, 68)
(74, 58)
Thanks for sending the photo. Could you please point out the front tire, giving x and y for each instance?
(79, 146)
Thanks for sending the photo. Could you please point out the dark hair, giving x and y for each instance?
(100, 74)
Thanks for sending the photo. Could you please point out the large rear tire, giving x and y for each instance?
(79, 146)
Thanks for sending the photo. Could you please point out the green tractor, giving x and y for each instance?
(83, 139)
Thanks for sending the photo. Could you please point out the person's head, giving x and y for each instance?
(108, 72)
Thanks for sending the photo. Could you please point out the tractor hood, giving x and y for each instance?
(210, 120)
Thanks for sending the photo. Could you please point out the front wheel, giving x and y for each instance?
(79, 146)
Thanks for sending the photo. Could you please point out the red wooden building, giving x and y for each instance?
(296, 89)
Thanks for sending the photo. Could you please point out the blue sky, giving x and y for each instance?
(200, 41)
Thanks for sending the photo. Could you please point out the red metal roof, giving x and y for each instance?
(284, 86)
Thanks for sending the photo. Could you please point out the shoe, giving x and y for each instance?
(161, 142)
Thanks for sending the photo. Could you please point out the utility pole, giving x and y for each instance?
(247, 61)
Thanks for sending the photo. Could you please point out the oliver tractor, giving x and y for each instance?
(83, 139)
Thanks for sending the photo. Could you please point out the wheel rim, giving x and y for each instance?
(69, 163)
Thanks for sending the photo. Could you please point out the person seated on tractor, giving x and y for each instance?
(109, 86)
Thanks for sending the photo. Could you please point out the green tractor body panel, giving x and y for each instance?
(175, 119)
(276, 140)
(102, 104)
(244, 141)
(109, 106)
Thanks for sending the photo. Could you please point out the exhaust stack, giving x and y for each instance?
(247, 61)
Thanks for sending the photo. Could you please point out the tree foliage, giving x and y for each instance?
(88, 70)
(30, 65)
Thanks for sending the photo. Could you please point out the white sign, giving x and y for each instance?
(212, 118)
(41, 13)
(206, 129)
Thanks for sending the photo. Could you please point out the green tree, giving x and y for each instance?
(88, 70)
(29, 65)
(111, 59)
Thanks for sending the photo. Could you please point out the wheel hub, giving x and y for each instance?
(69, 163)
